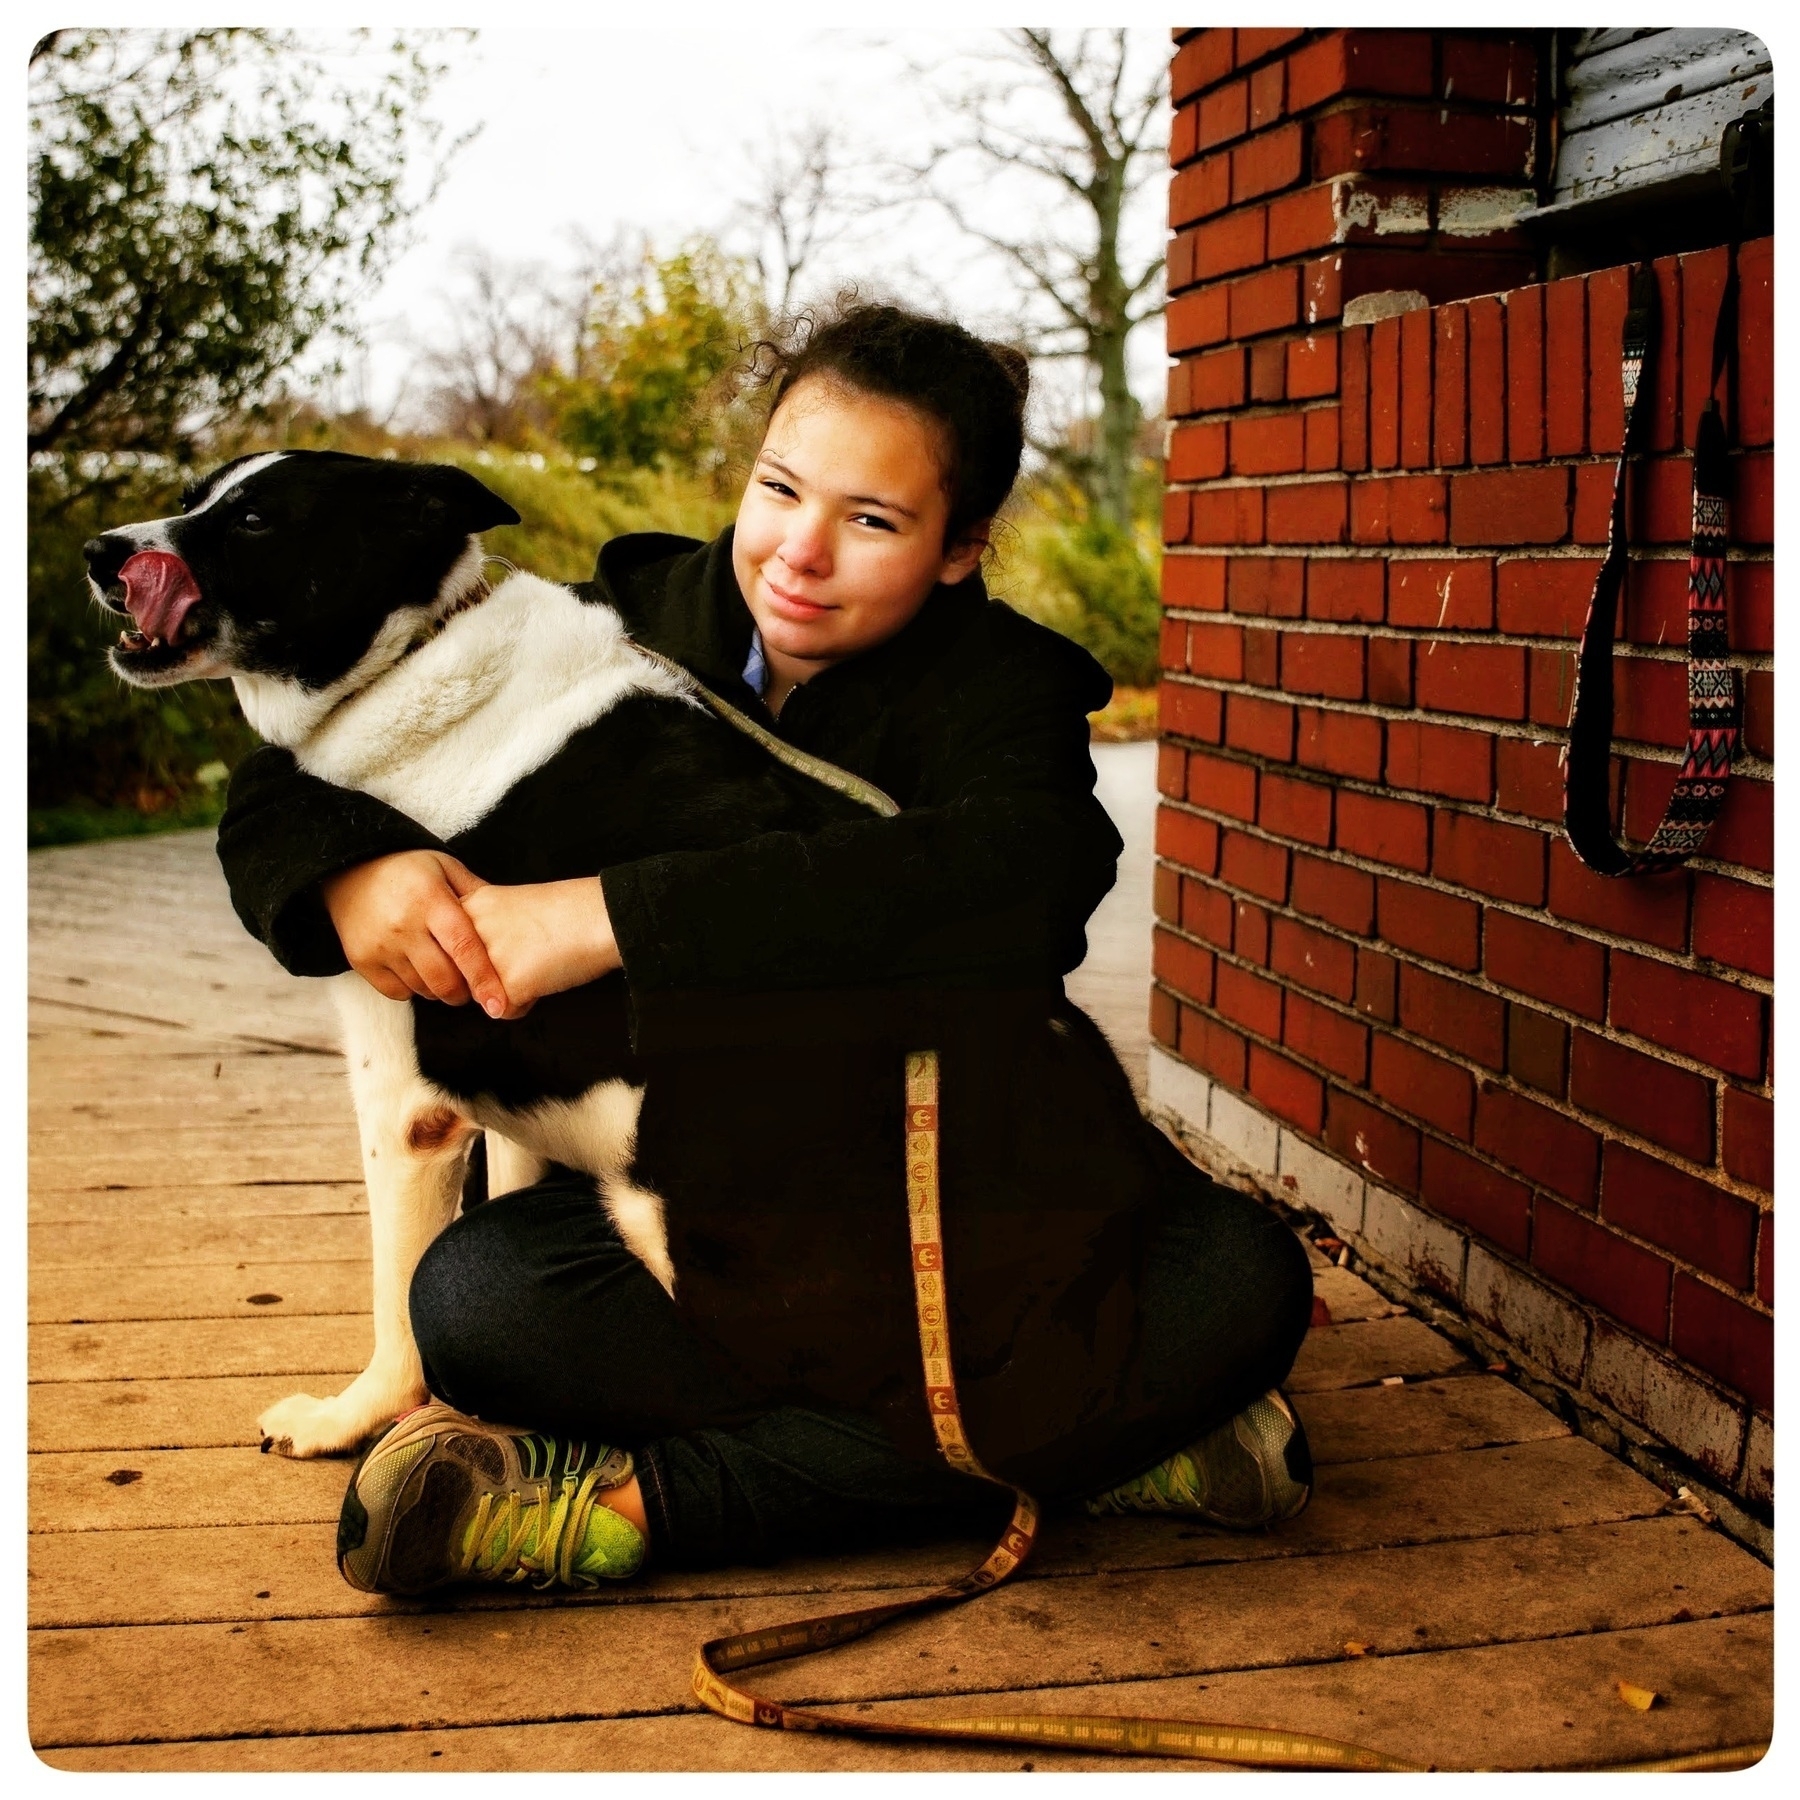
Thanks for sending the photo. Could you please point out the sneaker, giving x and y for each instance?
(1251, 1471)
(441, 1497)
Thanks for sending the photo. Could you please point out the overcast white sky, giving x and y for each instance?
(604, 127)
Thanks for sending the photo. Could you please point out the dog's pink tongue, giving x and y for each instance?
(159, 589)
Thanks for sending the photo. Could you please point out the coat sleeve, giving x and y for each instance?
(987, 879)
(283, 832)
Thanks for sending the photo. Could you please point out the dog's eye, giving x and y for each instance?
(253, 521)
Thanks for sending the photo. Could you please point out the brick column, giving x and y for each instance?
(1384, 983)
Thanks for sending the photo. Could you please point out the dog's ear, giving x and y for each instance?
(459, 500)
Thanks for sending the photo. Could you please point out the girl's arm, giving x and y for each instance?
(988, 876)
(331, 879)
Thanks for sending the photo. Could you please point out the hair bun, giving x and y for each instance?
(1016, 366)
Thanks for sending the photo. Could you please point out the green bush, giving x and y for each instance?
(567, 513)
(1088, 580)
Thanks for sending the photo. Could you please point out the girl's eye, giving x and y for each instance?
(874, 519)
(779, 487)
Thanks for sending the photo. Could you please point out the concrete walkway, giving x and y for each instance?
(1468, 1587)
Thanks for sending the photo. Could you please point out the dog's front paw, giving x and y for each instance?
(303, 1426)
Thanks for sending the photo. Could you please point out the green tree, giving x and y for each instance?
(652, 387)
(204, 204)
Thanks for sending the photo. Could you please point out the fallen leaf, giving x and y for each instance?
(1330, 1245)
(1393, 1381)
(1637, 1698)
(1321, 1313)
(1353, 1648)
(1498, 1368)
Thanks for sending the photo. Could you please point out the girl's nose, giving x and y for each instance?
(806, 547)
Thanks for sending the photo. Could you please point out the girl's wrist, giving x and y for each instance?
(584, 927)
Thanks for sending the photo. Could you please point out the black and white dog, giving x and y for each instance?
(343, 598)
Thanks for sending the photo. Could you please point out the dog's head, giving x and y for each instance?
(290, 564)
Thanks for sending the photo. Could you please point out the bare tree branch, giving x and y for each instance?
(1080, 129)
(807, 189)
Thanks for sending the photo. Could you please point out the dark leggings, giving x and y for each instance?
(529, 1311)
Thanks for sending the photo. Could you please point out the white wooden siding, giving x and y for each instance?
(1642, 107)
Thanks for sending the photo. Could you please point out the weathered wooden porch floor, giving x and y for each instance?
(198, 1249)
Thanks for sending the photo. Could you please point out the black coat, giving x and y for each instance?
(774, 983)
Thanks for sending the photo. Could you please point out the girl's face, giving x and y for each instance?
(840, 534)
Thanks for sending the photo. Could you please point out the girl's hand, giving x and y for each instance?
(545, 936)
(404, 930)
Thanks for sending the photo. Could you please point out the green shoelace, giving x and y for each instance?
(511, 1538)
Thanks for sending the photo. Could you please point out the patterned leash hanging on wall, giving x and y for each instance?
(1714, 705)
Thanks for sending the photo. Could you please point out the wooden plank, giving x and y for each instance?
(277, 1012)
(1545, 1705)
(164, 1415)
(204, 1157)
(105, 1226)
(1420, 1419)
(154, 1083)
(122, 1490)
(64, 1034)
(155, 1350)
(340, 1234)
(1611, 75)
(468, 1668)
(1348, 1355)
(1656, 144)
(60, 1123)
(74, 1077)
(241, 1290)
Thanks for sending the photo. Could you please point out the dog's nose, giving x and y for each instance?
(106, 556)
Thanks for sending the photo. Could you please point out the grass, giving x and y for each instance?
(77, 823)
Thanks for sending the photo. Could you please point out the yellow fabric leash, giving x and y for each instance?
(1249, 1746)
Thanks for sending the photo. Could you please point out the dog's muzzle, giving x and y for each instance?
(160, 591)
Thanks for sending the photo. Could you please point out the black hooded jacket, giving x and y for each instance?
(774, 983)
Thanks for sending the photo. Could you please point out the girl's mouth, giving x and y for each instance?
(793, 606)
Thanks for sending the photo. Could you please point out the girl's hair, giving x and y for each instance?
(974, 389)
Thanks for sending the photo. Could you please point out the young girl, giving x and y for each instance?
(1119, 1321)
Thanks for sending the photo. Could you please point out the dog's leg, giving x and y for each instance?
(511, 1166)
(412, 1139)
(638, 1215)
(597, 1132)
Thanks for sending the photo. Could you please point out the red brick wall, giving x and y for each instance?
(1381, 543)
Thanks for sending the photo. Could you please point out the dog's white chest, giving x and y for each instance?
(443, 734)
